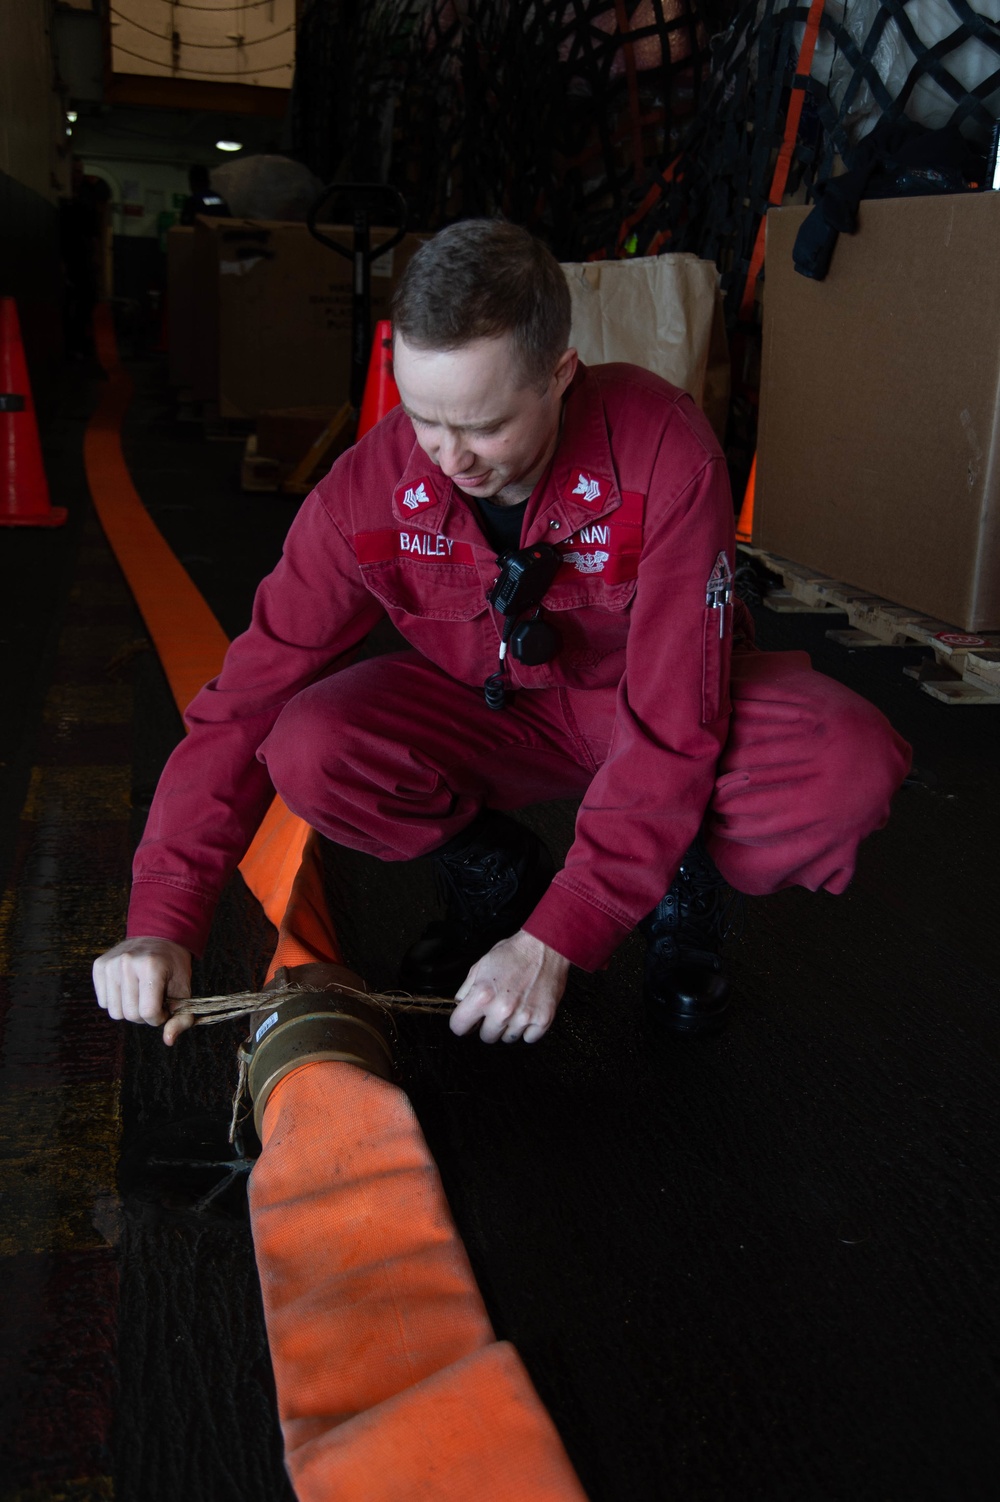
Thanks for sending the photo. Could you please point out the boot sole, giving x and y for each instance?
(686, 1024)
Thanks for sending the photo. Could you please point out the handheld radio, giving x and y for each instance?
(524, 579)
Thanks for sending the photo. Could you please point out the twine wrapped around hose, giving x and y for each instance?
(229, 1008)
(212, 1009)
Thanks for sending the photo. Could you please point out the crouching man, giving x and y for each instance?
(555, 544)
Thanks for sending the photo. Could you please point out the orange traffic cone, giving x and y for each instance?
(24, 491)
(744, 527)
(381, 394)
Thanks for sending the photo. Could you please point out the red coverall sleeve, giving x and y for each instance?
(311, 611)
(646, 803)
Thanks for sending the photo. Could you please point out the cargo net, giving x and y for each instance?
(616, 127)
(550, 112)
(936, 62)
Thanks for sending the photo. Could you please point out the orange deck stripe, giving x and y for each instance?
(188, 639)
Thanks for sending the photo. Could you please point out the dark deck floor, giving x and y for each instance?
(759, 1266)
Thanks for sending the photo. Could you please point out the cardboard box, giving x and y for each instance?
(273, 313)
(181, 305)
(286, 434)
(879, 439)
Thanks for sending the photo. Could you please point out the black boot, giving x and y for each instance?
(685, 985)
(493, 874)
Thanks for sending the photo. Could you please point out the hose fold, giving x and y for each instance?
(391, 1384)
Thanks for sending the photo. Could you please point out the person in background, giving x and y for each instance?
(203, 198)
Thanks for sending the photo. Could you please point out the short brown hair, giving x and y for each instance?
(480, 279)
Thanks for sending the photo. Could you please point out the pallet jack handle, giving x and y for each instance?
(392, 207)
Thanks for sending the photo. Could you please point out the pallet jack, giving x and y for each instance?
(365, 201)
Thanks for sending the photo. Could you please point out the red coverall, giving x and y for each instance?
(638, 714)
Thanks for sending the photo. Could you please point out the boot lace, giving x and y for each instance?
(711, 911)
(698, 914)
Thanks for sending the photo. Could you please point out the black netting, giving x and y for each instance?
(873, 62)
(534, 110)
(617, 126)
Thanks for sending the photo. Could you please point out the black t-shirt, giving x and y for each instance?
(502, 524)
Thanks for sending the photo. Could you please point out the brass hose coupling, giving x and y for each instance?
(325, 1022)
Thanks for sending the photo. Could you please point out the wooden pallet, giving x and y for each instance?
(259, 473)
(964, 668)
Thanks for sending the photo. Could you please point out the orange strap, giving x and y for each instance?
(391, 1384)
(651, 197)
(783, 165)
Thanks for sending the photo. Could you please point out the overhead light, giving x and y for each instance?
(229, 145)
(71, 116)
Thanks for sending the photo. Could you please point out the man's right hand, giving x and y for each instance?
(136, 981)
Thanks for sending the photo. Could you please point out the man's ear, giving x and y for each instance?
(565, 370)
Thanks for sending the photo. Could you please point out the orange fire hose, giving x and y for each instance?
(391, 1385)
(390, 1382)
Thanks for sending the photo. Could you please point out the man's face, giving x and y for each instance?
(474, 416)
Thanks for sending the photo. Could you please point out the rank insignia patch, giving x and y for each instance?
(719, 589)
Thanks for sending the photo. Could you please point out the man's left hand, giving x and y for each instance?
(513, 991)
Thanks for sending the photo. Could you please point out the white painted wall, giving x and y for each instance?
(156, 186)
